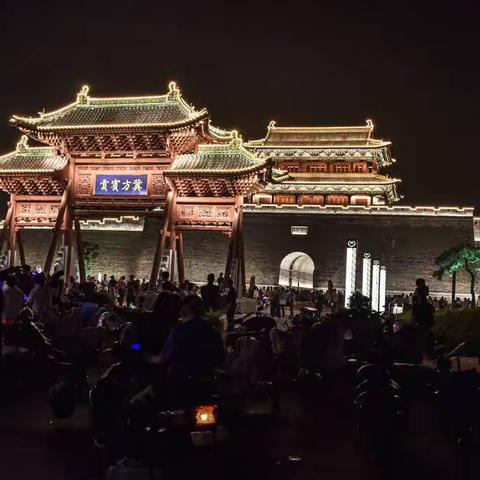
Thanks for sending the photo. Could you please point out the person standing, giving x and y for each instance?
(282, 301)
(121, 290)
(210, 293)
(112, 288)
(231, 300)
(422, 312)
(13, 300)
(131, 287)
(291, 301)
(252, 288)
(40, 297)
(221, 282)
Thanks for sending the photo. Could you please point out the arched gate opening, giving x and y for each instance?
(296, 270)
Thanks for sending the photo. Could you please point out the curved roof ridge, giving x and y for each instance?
(97, 112)
(36, 159)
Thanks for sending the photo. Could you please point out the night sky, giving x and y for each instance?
(412, 67)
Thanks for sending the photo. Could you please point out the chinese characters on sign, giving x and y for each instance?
(121, 185)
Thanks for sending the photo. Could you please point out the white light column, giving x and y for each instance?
(375, 285)
(367, 274)
(350, 270)
(382, 294)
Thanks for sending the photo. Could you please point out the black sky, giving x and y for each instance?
(413, 67)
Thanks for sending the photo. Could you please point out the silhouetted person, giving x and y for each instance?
(422, 312)
(131, 291)
(221, 281)
(40, 297)
(193, 348)
(231, 300)
(121, 290)
(211, 293)
(252, 288)
(13, 299)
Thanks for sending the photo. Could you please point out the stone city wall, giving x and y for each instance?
(407, 243)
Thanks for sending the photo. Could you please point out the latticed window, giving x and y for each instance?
(286, 199)
(337, 200)
(341, 168)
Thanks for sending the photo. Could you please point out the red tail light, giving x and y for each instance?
(205, 415)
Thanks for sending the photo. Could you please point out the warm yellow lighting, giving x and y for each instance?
(206, 415)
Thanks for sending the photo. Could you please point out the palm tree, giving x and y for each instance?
(465, 257)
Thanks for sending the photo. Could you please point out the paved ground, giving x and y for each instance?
(311, 438)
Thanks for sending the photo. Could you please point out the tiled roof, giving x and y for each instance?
(218, 159)
(354, 136)
(388, 187)
(341, 178)
(27, 159)
(168, 110)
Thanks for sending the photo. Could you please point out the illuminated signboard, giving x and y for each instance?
(120, 185)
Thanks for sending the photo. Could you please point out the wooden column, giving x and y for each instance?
(232, 247)
(12, 247)
(68, 233)
(57, 228)
(6, 224)
(80, 253)
(68, 243)
(172, 235)
(241, 252)
(162, 236)
(234, 263)
(21, 249)
(180, 258)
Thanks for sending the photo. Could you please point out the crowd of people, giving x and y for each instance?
(24, 287)
(171, 337)
(403, 302)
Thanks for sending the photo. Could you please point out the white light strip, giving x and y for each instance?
(367, 274)
(375, 285)
(350, 270)
(362, 210)
(382, 289)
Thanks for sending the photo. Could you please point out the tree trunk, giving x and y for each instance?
(472, 289)
(454, 287)
(472, 282)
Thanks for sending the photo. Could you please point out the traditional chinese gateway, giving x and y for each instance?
(158, 156)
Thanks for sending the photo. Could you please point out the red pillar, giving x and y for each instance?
(12, 244)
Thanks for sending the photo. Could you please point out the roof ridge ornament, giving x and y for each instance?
(236, 141)
(82, 95)
(272, 124)
(22, 144)
(371, 126)
(173, 91)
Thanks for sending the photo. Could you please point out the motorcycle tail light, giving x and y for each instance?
(205, 415)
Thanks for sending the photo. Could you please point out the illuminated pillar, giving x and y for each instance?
(367, 274)
(382, 294)
(350, 270)
(375, 284)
